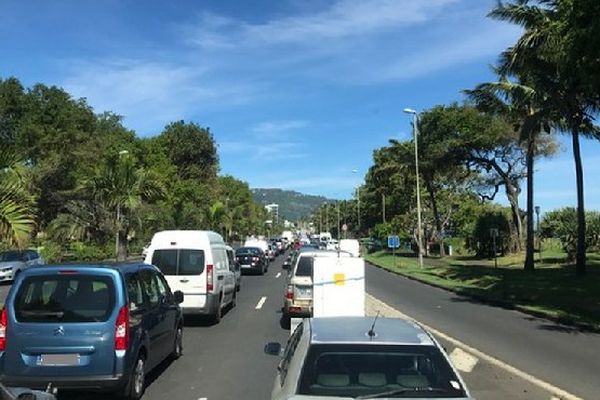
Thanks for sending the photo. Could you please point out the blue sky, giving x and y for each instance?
(298, 93)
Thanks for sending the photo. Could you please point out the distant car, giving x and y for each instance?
(252, 259)
(145, 249)
(298, 298)
(359, 358)
(89, 327)
(234, 266)
(12, 262)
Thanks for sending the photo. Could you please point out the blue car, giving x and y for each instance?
(89, 327)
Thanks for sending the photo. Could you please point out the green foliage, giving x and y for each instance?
(52, 252)
(82, 251)
(482, 241)
(78, 179)
(561, 224)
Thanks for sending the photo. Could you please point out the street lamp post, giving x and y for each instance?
(118, 219)
(537, 213)
(419, 227)
(355, 171)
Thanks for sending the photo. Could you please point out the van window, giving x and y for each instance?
(83, 298)
(179, 261)
(305, 266)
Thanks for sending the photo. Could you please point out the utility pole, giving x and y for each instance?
(338, 220)
(383, 206)
(419, 226)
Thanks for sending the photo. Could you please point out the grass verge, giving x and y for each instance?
(552, 290)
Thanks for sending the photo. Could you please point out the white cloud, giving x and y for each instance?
(344, 19)
(148, 94)
(277, 129)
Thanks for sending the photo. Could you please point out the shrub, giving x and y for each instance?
(561, 224)
(482, 242)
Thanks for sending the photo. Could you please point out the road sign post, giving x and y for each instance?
(393, 243)
(494, 235)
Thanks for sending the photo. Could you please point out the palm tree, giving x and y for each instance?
(16, 203)
(541, 55)
(123, 188)
(526, 109)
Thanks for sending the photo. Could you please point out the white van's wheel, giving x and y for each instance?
(219, 312)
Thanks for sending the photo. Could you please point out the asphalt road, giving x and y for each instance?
(563, 356)
(226, 361)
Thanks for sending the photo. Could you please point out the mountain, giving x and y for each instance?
(292, 205)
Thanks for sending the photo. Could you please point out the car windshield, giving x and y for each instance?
(179, 261)
(11, 256)
(69, 298)
(243, 251)
(411, 371)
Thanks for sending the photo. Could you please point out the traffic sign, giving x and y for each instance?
(393, 242)
(344, 227)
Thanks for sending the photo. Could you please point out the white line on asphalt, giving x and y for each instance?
(462, 360)
(202, 398)
(556, 391)
(261, 302)
(278, 275)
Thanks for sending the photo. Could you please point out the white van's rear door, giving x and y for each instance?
(185, 270)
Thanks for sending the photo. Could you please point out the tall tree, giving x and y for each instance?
(123, 188)
(542, 57)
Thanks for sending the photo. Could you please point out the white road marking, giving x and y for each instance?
(261, 302)
(462, 360)
(556, 391)
(202, 398)
(278, 275)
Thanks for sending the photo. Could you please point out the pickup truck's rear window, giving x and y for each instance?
(179, 261)
(72, 298)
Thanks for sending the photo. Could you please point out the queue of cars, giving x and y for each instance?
(102, 326)
(354, 357)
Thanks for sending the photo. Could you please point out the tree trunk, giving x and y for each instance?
(122, 249)
(580, 258)
(512, 194)
(436, 217)
(529, 249)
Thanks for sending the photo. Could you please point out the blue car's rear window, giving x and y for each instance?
(65, 298)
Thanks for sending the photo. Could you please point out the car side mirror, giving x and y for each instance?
(273, 348)
(178, 296)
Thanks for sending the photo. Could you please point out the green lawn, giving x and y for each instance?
(552, 289)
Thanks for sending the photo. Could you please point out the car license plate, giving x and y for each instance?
(246, 266)
(59, 359)
(304, 292)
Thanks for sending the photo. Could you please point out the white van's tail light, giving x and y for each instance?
(3, 326)
(209, 278)
(289, 294)
(122, 329)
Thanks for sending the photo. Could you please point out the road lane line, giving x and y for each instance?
(278, 275)
(556, 391)
(462, 360)
(261, 302)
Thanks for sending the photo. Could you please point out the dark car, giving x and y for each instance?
(90, 327)
(252, 259)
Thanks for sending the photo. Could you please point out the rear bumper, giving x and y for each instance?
(210, 306)
(92, 382)
(257, 269)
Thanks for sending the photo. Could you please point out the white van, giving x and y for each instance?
(352, 246)
(196, 263)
